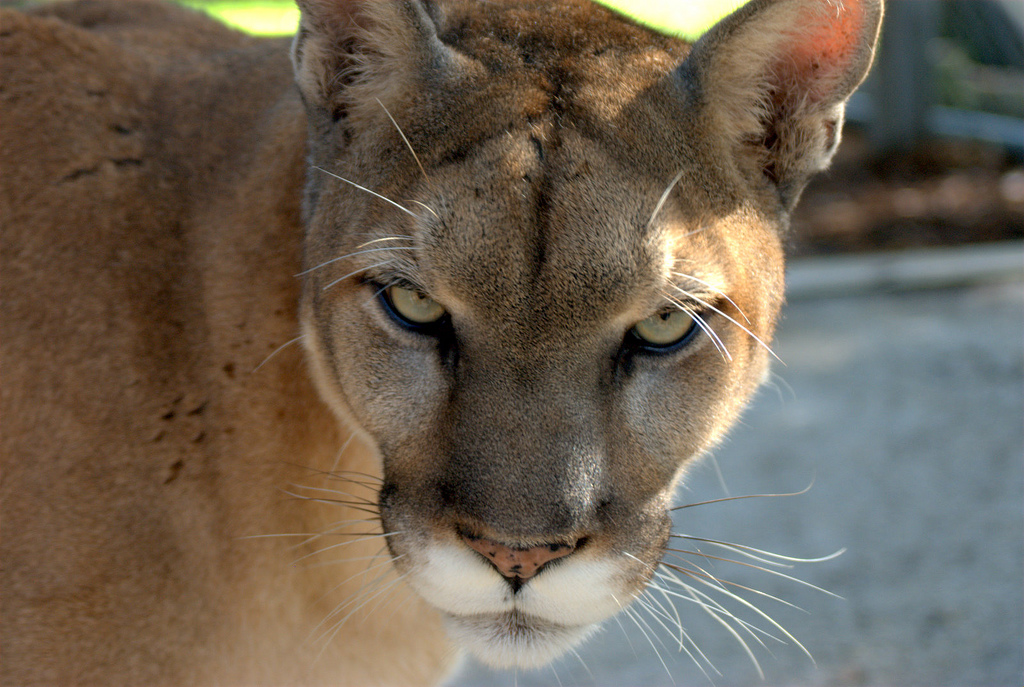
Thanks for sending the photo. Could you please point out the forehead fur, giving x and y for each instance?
(530, 198)
(507, 64)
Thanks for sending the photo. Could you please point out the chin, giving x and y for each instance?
(514, 639)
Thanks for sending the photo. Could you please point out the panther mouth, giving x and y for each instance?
(514, 638)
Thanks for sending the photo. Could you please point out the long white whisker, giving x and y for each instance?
(758, 611)
(705, 327)
(333, 526)
(740, 498)
(355, 272)
(390, 586)
(748, 332)
(362, 500)
(337, 458)
(646, 602)
(381, 249)
(406, 140)
(755, 554)
(621, 627)
(698, 571)
(713, 612)
(393, 237)
(667, 594)
(278, 350)
(637, 620)
(387, 561)
(372, 193)
(364, 589)
(768, 571)
(382, 535)
(664, 196)
(716, 290)
(337, 627)
(582, 663)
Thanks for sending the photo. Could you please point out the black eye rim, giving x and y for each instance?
(436, 329)
(637, 344)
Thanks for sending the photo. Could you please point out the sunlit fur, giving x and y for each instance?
(228, 461)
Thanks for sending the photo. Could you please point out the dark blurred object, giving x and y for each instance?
(933, 154)
(946, 68)
(943, 192)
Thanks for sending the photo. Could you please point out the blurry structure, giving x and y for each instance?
(946, 68)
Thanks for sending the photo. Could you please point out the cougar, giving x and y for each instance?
(326, 363)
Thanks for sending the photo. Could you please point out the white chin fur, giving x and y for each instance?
(550, 614)
(514, 640)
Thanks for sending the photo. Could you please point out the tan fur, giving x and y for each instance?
(158, 171)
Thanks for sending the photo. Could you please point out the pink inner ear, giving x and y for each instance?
(820, 55)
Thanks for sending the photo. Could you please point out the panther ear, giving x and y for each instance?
(381, 50)
(773, 79)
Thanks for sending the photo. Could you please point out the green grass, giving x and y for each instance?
(260, 17)
(685, 18)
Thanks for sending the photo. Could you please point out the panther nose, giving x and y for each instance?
(519, 563)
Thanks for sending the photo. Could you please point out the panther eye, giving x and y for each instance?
(414, 307)
(666, 329)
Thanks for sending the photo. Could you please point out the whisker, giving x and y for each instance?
(340, 475)
(739, 599)
(333, 502)
(696, 597)
(372, 193)
(621, 627)
(702, 323)
(382, 535)
(684, 636)
(750, 551)
(278, 350)
(339, 525)
(359, 499)
(381, 249)
(752, 590)
(364, 571)
(747, 331)
(776, 573)
(582, 663)
(337, 458)
(664, 196)
(716, 290)
(341, 623)
(393, 237)
(677, 620)
(633, 615)
(342, 606)
(407, 145)
(740, 498)
(427, 208)
(355, 272)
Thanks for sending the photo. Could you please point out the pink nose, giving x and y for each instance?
(516, 562)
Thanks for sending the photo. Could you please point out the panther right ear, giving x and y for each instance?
(772, 80)
(348, 54)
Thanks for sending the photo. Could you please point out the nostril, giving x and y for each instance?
(516, 562)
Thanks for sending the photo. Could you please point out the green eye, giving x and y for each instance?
(413, 306)
(665, 329)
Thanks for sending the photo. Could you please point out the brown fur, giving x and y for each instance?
(154, 192)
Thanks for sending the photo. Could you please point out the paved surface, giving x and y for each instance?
(905, 407)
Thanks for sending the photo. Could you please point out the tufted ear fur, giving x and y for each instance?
(773, 79)
(348, 54)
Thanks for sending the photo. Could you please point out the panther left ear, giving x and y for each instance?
(773, 79)
(381, 49)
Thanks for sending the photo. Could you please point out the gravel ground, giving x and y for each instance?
(905, 408)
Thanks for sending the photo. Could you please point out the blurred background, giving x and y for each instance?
(900, 403)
